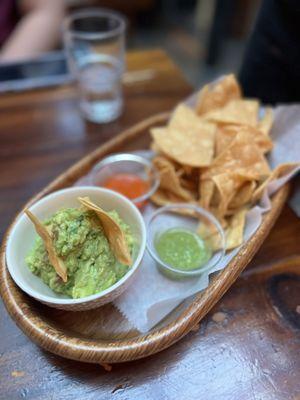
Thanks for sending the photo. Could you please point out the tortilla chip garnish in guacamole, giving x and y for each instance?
(46, 236)
(112, 231)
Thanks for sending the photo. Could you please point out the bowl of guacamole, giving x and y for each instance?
(95, 273)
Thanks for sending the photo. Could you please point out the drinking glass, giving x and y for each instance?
(95, 47)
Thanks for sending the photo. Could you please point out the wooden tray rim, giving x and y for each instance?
(99, 351)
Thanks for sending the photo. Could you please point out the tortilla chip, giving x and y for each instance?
(45, 235)
(112, 230)
(243, 157)
(235, 231)
(265, 124)
(184, 118)
(189, 179)
(242, 197)
(241, 112)
(263, 142)
(162, 198)
(188, 139)
(187, 169)
(179, 172)
(210, 234)
(190, 185)
(154, 147)
(206, 190)
(226, 133)
(279, 171)
(169, 180)
(224, 136)
(217, 95)
(207, 229)
(228, 185)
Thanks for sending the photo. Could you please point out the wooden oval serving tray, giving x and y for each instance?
(103, 335)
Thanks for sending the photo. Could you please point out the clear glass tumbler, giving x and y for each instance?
(95, 46)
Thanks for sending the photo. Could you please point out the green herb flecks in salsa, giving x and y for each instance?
(182, 249)
(80, 241)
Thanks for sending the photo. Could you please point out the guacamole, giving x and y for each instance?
(80, 241)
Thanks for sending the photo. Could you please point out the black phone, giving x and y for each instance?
(48, 70)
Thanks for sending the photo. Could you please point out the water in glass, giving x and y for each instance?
(100, 87)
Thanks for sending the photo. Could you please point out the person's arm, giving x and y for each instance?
(38, 31)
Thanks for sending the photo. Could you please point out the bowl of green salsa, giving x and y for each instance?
(185, 240)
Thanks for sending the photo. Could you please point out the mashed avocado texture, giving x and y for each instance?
(80, 241)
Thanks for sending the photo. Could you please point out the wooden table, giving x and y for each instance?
(248, 347)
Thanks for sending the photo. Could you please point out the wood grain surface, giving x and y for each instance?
(247, 347)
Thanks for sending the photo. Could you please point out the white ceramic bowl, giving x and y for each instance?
(23, 234)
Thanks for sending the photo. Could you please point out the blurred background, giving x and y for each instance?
(205, 38)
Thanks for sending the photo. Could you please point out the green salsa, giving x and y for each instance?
(80, 241)
(182, 249)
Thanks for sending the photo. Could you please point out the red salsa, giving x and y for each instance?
(130, 185)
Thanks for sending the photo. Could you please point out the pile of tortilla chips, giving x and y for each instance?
(214, 156)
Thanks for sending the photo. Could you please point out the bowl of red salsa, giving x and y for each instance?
(132, 175)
